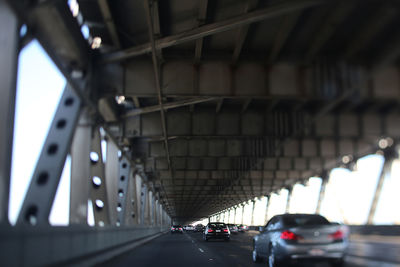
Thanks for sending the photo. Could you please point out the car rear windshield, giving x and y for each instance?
(177, 226)
(294, 221)
(217, 225)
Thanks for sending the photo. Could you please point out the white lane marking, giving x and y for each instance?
(202, 251)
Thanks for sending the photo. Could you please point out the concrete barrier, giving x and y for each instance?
(72, 245)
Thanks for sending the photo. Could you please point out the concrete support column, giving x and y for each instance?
(325, 180)
(9, 43)
(267, 209)
(234, 216)
(252, 212)
(386, 170)
(289, 197)
(80, 170)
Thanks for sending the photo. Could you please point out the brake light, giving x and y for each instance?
(173, 228)
(210, 230)
(180, 229)
(337, 235)
(226, 230)
(287, 235)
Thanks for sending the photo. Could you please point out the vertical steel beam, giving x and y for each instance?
(131, 208)
(123, 185)
(46, 177)
(289, 197)
(386, 169)
(98, 190)
(138, 199)
(252, 212)
(266, 209)
(9, 38)
(242, 214)
(151, 208)
(145, 205)
(80, 170)
(112, 167)
(325, 180)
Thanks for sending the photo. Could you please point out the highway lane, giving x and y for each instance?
(189, 249)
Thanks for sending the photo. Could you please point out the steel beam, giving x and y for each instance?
(242, 32)
(325, 180)
(9, 40)
(80, 169)
(289, 197)
(340, 12)
(273, 11)
(201, 20)
(112, 181)
(386, 170)
(166, 106)
(46, 177)
(156, 68)
(108, 20)
(123, 185)
(99, 189)
(289, 22)
(267, 209)
(374, 25)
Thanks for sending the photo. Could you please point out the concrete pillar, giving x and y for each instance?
(9, 43)
(234, 216)
(80, 170)
(386, 170)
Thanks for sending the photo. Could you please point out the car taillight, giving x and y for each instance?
(180, 229)
(226, 230)
(287, 235)
(210, 230)
(337, 235)
(172, 228)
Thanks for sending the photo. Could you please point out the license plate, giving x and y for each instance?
(218, 231)
(316, 252)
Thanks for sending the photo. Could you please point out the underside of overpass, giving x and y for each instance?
(204, 104)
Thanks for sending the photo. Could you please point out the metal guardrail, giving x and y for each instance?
(72, 245)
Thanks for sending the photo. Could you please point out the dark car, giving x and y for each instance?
(176, 229)
(199, 228)
(216, 230)
(233, 228)
(242, 228)
(293, 237)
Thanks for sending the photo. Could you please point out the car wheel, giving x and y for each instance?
(272, 262)
(255, 256)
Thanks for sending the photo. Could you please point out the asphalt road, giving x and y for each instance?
(189, 249)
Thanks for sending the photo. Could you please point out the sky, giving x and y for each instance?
(39, 89)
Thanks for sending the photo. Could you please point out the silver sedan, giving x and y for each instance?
(294, 237)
